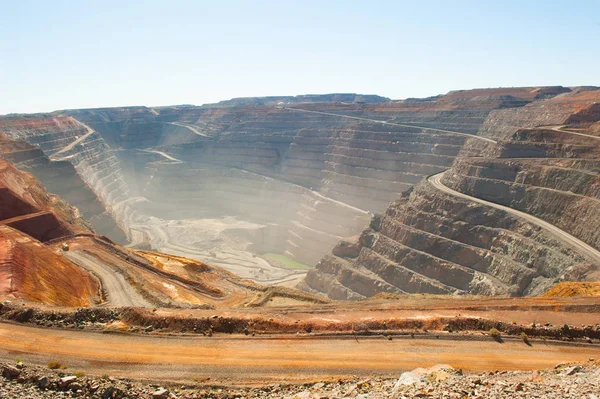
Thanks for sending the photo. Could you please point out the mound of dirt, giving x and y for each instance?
(573, 289)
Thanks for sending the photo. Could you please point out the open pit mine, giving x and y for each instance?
(304, 246)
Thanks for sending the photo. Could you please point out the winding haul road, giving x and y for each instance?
(191, 128)
(574, 242)
(69, 147)
(392, 123)
(164, 154)
(560, 129)
(118, 290)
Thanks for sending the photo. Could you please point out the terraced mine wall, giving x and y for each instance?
(60, 177)
(224, 182)
(434, 241)
(29, 270)
(297, 221)
(363, 164)
(308, 179)
(563, 188)
(74, 163)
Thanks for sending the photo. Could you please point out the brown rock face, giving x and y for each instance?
(347, 248)
(304, 174)
(25, 202)
(28, 269)
(435, 242)
(59, 177)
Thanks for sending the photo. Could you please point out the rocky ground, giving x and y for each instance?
(581, 381)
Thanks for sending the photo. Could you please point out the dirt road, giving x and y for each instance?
(393, 124)
(164, 154)
(240, 359)
(575, 243)
(118, 290)
(191, 128)
(74, 143)
(561, 129)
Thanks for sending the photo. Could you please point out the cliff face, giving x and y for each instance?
(23, 195)
(430, 242)
(32, 272)
(28, 269)
(563, 187)
(60, 177)
(71, 162)
(437, 242)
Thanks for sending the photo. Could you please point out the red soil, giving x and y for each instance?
(31, 271)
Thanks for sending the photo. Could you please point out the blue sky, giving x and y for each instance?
(77, 54)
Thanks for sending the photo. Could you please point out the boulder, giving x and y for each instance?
(75, 386)
(439, 372)
(66, 381)
(10, 372)
(112, 393)
(43, 382)
(407, 378)
(160, 393)
(347, 248)
(571, 370)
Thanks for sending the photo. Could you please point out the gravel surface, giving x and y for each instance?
(580, 381)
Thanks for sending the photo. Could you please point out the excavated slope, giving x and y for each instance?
(437, 242)
(71, 161)
(294, 176)
(48, 255)
(60, 177)
(305, 179)
(32, 272)
(28, 269)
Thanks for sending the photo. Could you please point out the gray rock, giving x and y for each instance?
(11, 371)
(43, 382)
(66, 381)
(75, 386)
(407, 378)
(160, 393)
(112, 393)
(571, 370)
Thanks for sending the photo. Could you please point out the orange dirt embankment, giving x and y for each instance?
(31, 271)
(181, 282)
(224, 288)
(571, 289)
(248, 360)
(554, 318)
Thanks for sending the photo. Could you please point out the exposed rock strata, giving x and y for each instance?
(296, 175)
(428, 237)
(60, 177)
(85, 172)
